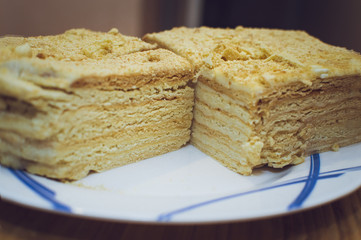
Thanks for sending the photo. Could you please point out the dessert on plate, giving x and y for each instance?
(266, 96)
(87, 101)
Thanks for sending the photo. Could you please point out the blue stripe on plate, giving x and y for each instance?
(41, 190)
(310, 182)
(167, 216)
(344, 170)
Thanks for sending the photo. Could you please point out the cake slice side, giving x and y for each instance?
(268, 97)
(72, 117)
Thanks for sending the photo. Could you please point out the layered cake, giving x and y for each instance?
(87, 101)
(268, 97)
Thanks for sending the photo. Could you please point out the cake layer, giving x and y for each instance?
(50, 151)
(117, 106)
(290, 125)
(86, 101)
(267, 96)
(240, 157)
(305, 121)
(100, 158)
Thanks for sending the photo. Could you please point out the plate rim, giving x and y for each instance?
(239, 218)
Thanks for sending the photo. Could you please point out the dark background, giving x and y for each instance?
(337, 22)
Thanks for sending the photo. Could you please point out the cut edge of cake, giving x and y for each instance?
(72, 116)
(262, 93)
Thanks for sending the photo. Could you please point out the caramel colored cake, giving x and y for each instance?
(86, 101)
(268, 97)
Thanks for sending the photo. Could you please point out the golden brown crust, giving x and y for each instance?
(62, 62)
(87, 101)
(254, 60)
(74, 45)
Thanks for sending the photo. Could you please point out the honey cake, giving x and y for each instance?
(268, 96)
(86, 101)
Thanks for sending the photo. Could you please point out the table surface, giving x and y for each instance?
(340, 219)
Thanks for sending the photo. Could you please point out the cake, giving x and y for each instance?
(266, 96)
(86, 101)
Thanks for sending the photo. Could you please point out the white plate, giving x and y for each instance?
(186, 186)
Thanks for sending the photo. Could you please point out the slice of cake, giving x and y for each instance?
(87, 101)
(268, 97)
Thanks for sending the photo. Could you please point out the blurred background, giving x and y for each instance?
(336, 22)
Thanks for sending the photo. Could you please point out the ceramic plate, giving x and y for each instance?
(187, 186)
